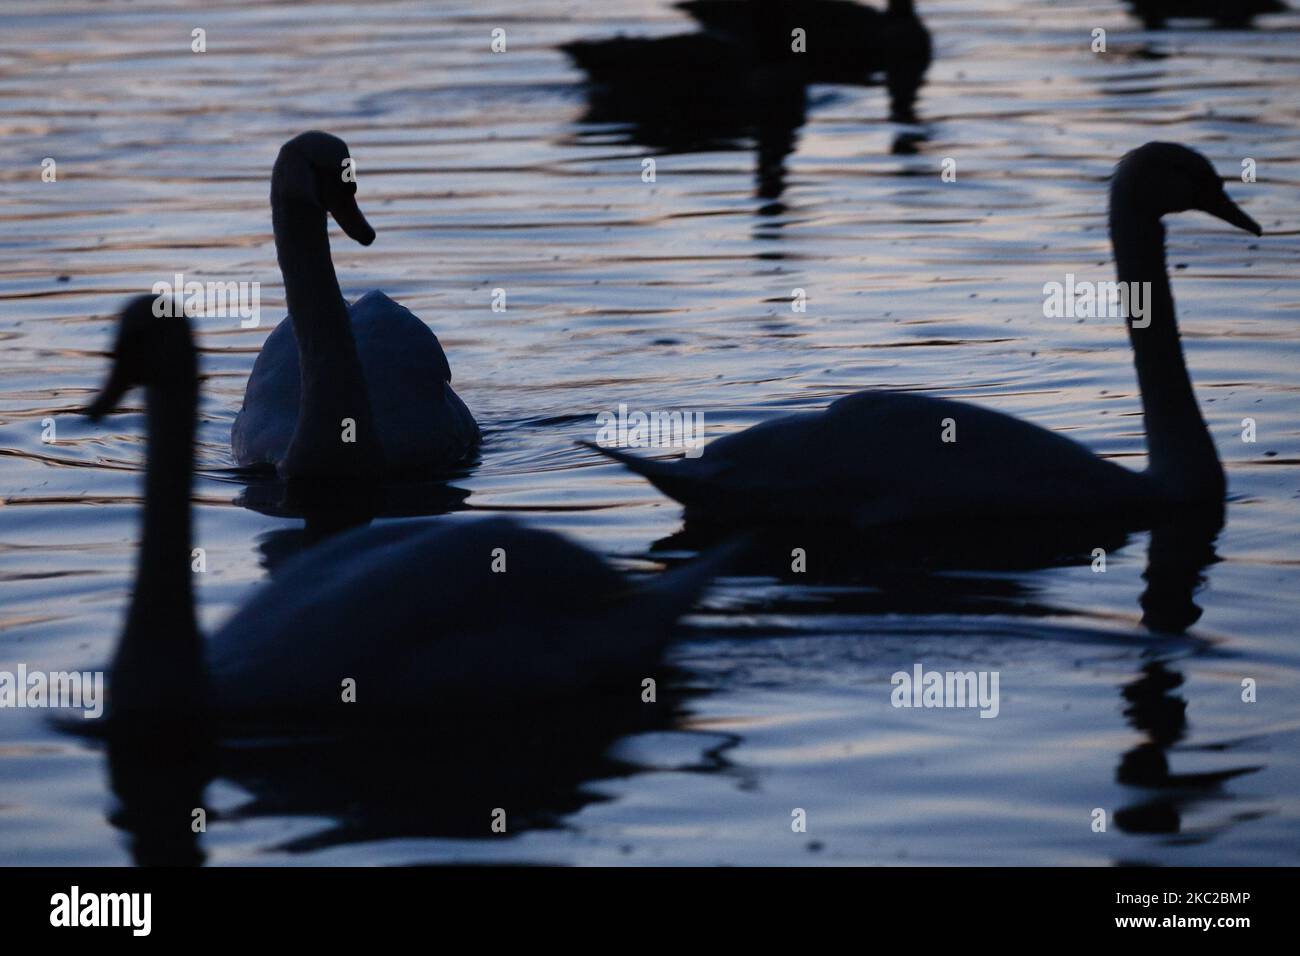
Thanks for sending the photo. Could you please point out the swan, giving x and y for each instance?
(845, 41)
(422, 616)
(1228, 14)
(696, 92)
(372, 362)
(878, 458)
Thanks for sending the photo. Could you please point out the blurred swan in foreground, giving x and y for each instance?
(420, 616)
(878, 458)
(372, 363)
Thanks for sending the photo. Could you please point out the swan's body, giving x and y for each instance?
(421, 616)
(415, 614)
(877, 458)
(684, 60)
(690, 89)
(422, 423)
(741, 70)
(339, 391)
(696, 92)
(1225, 13)
(845, 42)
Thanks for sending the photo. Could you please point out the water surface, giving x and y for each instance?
(479, 172)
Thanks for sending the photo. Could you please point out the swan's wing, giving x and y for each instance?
(946, 458)
(266, 421)
(423, 424)
(383, 329)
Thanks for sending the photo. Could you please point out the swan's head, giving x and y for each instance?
(150, 350)
(1167, 177)
(316, 169)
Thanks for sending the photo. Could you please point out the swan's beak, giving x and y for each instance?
(1227, 210)
(112, 392)
(348, 215)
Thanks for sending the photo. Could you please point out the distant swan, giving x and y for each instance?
(371, 369)
(843, 41)
(420, 616)
(1229, 14)
(877, 458)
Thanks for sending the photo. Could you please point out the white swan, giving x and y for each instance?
(422, 616)
(877, 458)
(373, 363)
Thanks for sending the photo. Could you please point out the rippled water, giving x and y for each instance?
(479, 172)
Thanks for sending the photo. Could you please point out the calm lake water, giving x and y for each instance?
(479, 171)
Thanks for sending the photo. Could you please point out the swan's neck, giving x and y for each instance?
(1183, 462)
(333, 383)
(159, 659)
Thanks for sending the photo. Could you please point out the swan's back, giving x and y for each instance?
(423, 425)
(416, 614)
(622, 58)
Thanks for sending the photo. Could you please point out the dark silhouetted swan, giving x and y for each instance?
(741, 79)
(695, 92)
(1229, 14)
(842, 41)
(372, 364)
(422, 616)
(878, 458)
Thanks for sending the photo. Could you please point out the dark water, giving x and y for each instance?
(478, 173)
